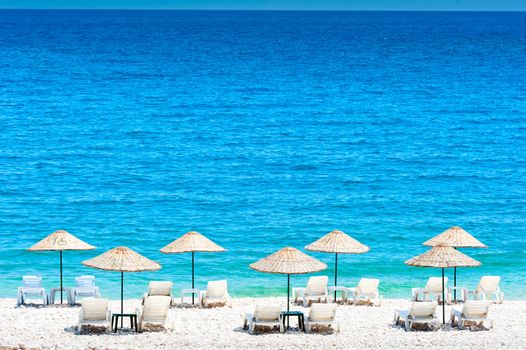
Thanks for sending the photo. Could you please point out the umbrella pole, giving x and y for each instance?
(61, 277)
(335, 275)
(193, 277)
(122, 297)
(455, 285)
(455, 282)
(443, 301)
(288, 297)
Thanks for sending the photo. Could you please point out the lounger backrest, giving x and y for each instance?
(434, 284)
(95, 309)
(156, 308)
(322, 312)
(488, 283)
(32, 281)
(368, 285)
(85, 281)
(476, 308)
(267, 312)
(160, 288)
(317, 285)
(217, 289)
(423, 309)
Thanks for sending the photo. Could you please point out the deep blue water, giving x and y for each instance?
(260, 130)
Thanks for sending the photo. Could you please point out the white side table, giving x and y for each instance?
(332, 291)
(53, 291)
(191, 291)
(297, 293)
(462, 290)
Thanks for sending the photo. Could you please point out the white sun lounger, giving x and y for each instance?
(264, 315)
(432, 290)
(316, 290)
(419, 312)
(367, 289)
(31, 288)
(471, 310)
(159, 288)
(487, 288)
(322, 314)
(85, 288)
(155, 310)
(94, 312)
(216, 293)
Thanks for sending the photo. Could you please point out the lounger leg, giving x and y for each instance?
(408, 325)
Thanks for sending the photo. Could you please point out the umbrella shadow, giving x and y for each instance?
(97, 330)
(31, 305)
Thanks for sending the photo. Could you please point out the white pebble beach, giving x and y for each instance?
(362, 327)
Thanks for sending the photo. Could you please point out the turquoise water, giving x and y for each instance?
(260, 130)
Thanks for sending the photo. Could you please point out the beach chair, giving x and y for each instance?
(216, 293)
(472, 310)
(85, 288)
(155, 311)
(264, 315)
(159, 288)
(94, 312)
(366, 290)
(323, 315)
(487, 288)
(316, 290)
(31, 288)
(419, 312)
(432, 290)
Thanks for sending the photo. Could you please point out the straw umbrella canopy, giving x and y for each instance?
(455, 237)
(337, 242)
(122, 259)
(442, 256)
(60, 240)
(192, 242)
(288, 261)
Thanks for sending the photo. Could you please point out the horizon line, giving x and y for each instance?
(248, 10)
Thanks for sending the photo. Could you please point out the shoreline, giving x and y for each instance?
(194, 328)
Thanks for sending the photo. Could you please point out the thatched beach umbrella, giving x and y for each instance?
(192, 242)
(442, 256)
(337, 242)
(122, 259)
(60, 240)
(288, 261)
(455, 237)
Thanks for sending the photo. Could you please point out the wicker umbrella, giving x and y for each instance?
(442, 256)
(60, 240)
(455, 237)
(122, 259)
(192, 242)
(288, 261)
(337, 242)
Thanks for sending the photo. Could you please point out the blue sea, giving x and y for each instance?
(262, 130)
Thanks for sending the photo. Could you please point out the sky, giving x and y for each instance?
(429, 5)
